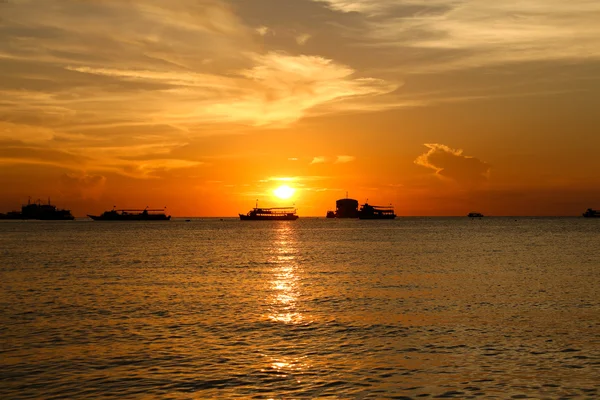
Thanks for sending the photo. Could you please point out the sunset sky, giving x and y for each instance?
(439, 107)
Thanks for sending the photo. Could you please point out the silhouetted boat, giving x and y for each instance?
(270, 214)
(346, 208)
(368, 211)
(590, 213)
(45, 212)
(475, 215)
(330, 214)
(132, 215)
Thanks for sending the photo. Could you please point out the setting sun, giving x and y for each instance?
(284, 192)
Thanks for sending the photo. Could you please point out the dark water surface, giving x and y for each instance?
(347, 309)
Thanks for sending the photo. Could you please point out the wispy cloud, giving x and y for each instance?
(24, 132)
(472, 33)
(302, 39)
(16, 152)
(362, 6)
(344, 159)
(319, 160)
(151, 168)
(336, 160)
(283, 88)
(263, 30)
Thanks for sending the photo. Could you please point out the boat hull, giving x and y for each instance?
(376, 216)
(131, 218)
(43, 218)
(268, 218)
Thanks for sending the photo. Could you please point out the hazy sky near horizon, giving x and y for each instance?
(439, 107)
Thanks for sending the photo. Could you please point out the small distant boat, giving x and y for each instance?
(475, 215)
(132, 215)
(37, 210)
(270, 214)
(368, 211)
(590, 213)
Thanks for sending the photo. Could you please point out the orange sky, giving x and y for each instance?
(440, 107)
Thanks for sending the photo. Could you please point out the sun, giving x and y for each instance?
(284, 192)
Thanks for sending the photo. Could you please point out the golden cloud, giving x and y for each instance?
(449, 163)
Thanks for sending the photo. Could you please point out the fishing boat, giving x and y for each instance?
(37, 210)
(368, 211)
(270, 214)
(132, 215)
(590, 213)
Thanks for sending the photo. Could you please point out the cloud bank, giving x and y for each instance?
(472, 33)
(107, 79)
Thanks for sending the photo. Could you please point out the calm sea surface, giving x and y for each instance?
(315, 308)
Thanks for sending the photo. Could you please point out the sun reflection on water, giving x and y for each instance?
(288, 364)
(285, 303)
(285, 283)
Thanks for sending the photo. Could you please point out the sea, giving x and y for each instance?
(210, 308)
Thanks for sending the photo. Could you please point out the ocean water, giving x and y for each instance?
(314, 308)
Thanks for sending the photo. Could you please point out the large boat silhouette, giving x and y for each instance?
(590, 213)
(270, 214)
(132, 215)
(368, 211)
(346, 208)
(39, 211)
